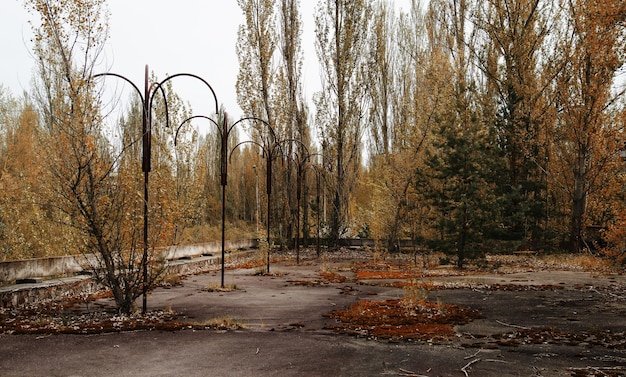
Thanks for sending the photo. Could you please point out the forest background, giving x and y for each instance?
(466, 126)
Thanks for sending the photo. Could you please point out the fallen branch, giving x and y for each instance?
(598, 370)
(464, 369)
(592, 289)
(408, 373)
(497, 361)
(514, 326)
(472, 356)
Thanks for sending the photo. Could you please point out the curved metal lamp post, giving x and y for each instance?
(147, 101)
(317, 203)
(224, 132)
(301, 162)
(301, 179)
(270, 149)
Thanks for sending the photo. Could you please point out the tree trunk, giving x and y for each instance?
(579, 204)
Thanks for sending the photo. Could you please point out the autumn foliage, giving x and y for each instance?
(465, 126)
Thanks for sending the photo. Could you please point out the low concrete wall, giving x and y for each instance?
(213, 248)
(10, 271)
(19, 294)
(15, 295)
(21, 269)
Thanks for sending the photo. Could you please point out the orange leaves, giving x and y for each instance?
(392, 319)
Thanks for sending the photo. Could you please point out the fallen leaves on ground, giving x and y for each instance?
(71, 315)
(401, 319)
(325, 278)
(548, 335)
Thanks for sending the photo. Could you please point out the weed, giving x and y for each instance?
(259, 271)
(170, 280)
(325, 264)
(379, 256)
(415, 292)
(441, 307)
(223, 323)
(214, 287)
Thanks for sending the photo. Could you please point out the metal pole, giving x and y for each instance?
(256, 173)
(298, 195)
(269, 196)
(224, 172)
(223, 230)
(146, 172)
(317, 202)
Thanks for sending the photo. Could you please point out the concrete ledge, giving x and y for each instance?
(40, 267)
(35, 289)
(208, 248)
(34, 280)
(14, 295)
(12, 271)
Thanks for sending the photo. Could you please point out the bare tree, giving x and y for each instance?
(92, 192)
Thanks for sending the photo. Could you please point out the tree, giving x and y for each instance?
(462, 188)
(26, 226)
(341, 34)
(517, 59)
(382, 56)
(89, 189)
(291, 122)
(256, 44)
(463, 156)
(589, 126)
(381, 67)
(256, 81)
(407, 88)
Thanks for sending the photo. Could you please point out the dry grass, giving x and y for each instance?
(215, 287)
(225, 323)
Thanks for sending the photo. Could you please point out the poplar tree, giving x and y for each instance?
(291, 113)
(256, 44)
(341, 36)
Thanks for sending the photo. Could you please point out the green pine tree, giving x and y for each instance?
(463, 170)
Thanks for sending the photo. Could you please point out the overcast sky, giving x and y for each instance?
(192, 36)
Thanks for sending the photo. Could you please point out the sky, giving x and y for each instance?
(186, 36)
(182, 36)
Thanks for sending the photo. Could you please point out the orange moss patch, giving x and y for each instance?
(399, 319)
(391, 274)
(325, 279)
(248, 265)
(254, 263)
(333, 277)
(306, 283)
